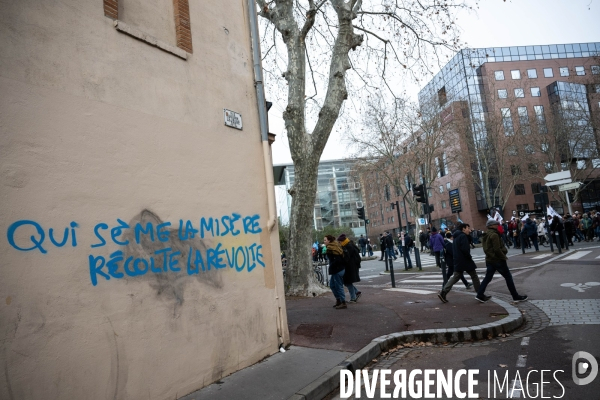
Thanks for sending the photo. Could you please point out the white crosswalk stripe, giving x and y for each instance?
(577, 255)
(542, 256)
(428, 261)
(432, 279)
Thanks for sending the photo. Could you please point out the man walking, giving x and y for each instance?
(407, 243)
(389, 245)
(463, 262)
(382, 246)
(362, 242)
(495, 260)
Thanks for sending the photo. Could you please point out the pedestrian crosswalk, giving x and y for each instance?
(434, 280)
(429, 261)
(577, 255)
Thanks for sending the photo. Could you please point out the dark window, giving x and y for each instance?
(522, 207)
(536, 188)
(519, 189)
(515, 170)
(533, 168)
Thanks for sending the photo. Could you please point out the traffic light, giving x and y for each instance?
(419, 193)
(361, 212)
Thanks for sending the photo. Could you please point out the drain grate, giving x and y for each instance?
(315, 330)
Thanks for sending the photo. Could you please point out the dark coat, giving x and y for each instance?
(493, 247)
(352, 262)
(389, 241)
(335, 255)
(461, 250)
(449, 253)
(423, 237)
(382, 243)
(530, 228)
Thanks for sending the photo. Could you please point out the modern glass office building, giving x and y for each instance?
(558, 77)
(338, 192)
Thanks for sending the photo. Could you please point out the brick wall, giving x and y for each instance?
(183, 28)
(111, 9)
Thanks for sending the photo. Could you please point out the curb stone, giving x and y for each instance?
(329, 381)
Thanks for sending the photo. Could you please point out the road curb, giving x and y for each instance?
(330, 380)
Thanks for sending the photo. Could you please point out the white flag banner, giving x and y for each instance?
(525, 217)
(498, 217)
(551, 212)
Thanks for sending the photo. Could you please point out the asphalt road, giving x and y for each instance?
(563, 318)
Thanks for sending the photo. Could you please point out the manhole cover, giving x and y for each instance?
(315, 330)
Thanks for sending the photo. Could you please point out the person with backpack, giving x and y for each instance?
(449, 257)
(337, 268)
(352, 262)
(463, 261)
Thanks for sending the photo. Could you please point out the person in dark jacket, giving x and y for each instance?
(382, 246)
(362, 242)
(352, 262)
(530, 231)
(437, 245)
(495, 260)
(449, 257)
(569, 229)
(423, 240)
(407, 243)
(335, 255)
(557, 226)
(388, 240)
(463, 262)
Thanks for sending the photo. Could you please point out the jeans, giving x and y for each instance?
(534, 239)
(336, 283)
(390, 253)
(407, 256)
(502, 268)
(352, 289)
(437, 258)
(400, 251)
(363, 250)
(456, 277)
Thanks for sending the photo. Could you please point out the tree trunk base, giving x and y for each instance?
(313, 289)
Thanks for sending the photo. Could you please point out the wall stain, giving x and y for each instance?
(168, 286)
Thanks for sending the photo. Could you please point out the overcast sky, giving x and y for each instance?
(497, 23)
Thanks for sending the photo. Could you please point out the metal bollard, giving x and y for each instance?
(418, 259)
(392, 272)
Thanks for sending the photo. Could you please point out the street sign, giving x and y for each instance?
(455, 204)
(232, 119)
(422, 221)
(570, 186)
(558, 176)
(562, 181)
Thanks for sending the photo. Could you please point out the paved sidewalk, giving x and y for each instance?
(325, 340)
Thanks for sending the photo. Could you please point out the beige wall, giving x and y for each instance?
(97, 126)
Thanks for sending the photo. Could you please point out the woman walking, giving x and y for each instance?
(335, 255)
